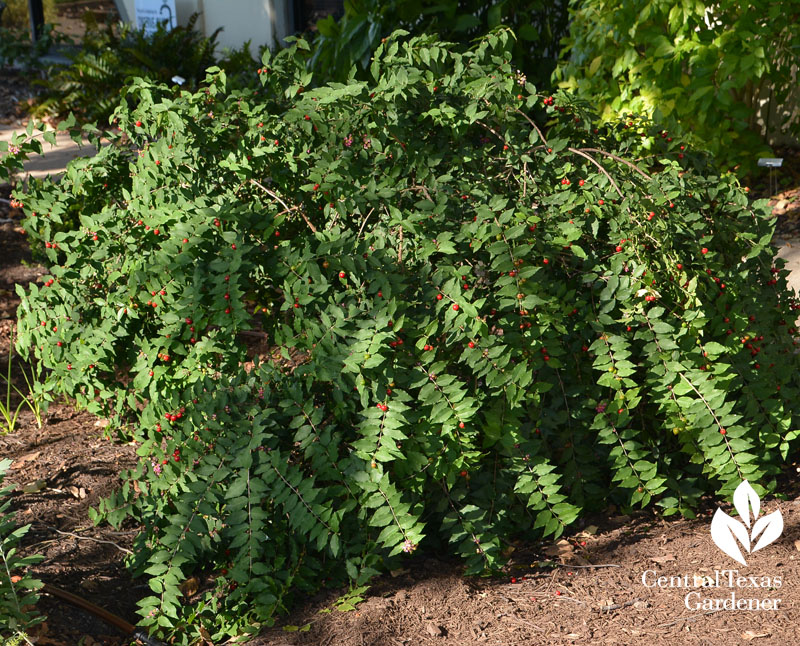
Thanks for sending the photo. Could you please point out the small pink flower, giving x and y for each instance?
(601, 408)
(408, 546)
(13, 150)
(348, 141)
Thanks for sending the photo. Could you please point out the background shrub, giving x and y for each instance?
(90, 85)
(350, 41)
(491, 325)
(704, 69)
(15, 15)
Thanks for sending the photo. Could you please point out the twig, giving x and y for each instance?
(687, 619)
(400, 248)
(619, 159)
(363, 222)
(586, 566)
(602, 170)
(563, 598)
(285, 205)
(530, 121)
(617, 606)
(88, 538)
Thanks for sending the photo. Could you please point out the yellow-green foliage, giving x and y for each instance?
(15, 15)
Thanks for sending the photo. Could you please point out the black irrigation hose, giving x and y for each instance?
(128, 628)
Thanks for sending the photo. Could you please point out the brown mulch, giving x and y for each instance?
(585, 589)
(14, 93)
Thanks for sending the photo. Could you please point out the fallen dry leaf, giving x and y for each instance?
(434, 631)
(101, 423)
(508, 551)
(190, 586)
(751, 634)
(28, 457)
(797, 545)
(663, 559)
(562, 548)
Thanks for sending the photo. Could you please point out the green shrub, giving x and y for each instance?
(340, 45)
(491, 325)
(705, 70)
(17, 587)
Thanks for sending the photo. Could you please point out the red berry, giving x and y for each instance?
(342, 274)
(439, 297)
(471, 344)
(455, 307)
(704, 251)
(601, 202)
(138, 124)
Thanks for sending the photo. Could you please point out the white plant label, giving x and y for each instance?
(149, 13)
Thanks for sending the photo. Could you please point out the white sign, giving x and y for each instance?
(149, 13)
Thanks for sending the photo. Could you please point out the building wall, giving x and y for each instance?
(263, 22)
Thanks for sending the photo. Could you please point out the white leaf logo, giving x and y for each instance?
(745, 498)
(725, 531)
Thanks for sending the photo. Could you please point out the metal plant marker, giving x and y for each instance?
(772, 163)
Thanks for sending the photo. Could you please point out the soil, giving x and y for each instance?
(586, 588)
